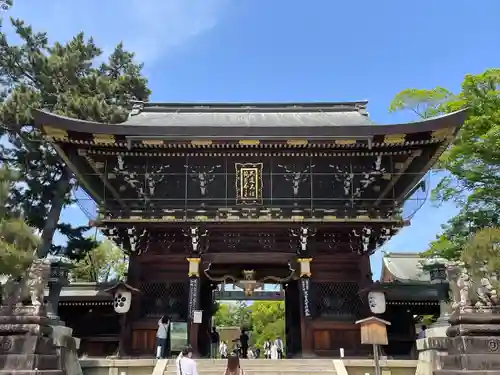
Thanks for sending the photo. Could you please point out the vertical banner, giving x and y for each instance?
(194, 290)
(306, 296)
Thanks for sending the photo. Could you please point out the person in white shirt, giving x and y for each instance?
(223, 349)
(274, 351)
(279, 347)
(267, 349)
(162, 334)
(185, 364)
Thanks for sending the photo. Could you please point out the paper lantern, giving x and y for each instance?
(376, 301)
(122, 297)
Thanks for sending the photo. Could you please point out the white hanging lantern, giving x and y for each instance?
(376, 301)
(122, 297)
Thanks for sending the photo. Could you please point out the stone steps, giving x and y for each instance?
(263, 367)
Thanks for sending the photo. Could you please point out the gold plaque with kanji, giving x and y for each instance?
(248, 183)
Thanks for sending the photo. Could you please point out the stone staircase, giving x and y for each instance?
(263, 367)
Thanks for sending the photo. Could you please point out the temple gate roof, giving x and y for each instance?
(404, 268)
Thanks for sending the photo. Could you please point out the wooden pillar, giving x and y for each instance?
(133, 277)
(193, 301)
(305, 305)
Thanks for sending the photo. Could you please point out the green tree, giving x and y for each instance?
(224, 317)
(481, 253)
(268, 321)
(104, 263)
(233, 315)
(65, 79)
(472, 161)
(17, 240)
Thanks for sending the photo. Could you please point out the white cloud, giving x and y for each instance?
(151, 28)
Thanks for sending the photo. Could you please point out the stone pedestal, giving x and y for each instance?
(473, 344)
(431, 349)
(29, 345)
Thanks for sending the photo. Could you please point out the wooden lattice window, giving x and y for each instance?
(337, 300)
(160, 298)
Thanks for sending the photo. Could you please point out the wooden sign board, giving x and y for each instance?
(373, 331)
(197, 316)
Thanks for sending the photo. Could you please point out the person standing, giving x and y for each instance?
(162, 336)
(185, 363)
(274, 351)
(267, 349)
(279, 347)
(223, 350)
(244, 344)
(214, 342)
(257, 352)
(233, 365)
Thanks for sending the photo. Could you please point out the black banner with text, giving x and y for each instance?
(306, 296)
(194, 290)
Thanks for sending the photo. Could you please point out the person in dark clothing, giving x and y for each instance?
(244, 344)
(214, 342)
(267, 349)
(257, 353)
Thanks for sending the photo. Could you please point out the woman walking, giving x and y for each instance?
(233, 365)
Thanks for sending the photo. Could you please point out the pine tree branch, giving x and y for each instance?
(62, 188)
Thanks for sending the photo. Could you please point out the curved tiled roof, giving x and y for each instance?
(405, 267)
(250, 114)
(217, 121)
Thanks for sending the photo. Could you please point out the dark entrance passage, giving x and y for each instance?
(211, 294)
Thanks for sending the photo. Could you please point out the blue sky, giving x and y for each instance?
(319, 50)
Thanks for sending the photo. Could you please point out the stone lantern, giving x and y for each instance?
(58, 279)
(438, 277)
(122, 301)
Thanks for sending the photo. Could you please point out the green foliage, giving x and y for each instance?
(17, 239)
(472, 161)
(64, 79)
(233, 315)
(426, 319)
(423, 103)
(481, 253)
(268, 321)
(104, 263)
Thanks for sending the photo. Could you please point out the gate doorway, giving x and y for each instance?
(266, 313)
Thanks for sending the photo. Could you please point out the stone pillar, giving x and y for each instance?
(29, 342)
(193, 301)
(430, 350)
(473, 344)
(474, 333)
(305, 305)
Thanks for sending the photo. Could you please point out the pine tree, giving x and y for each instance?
(65, 79)
(17, 240)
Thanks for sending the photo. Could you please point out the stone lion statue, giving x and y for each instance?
(471, 294)
(30, 286)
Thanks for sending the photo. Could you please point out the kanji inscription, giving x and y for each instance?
(248, 183)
